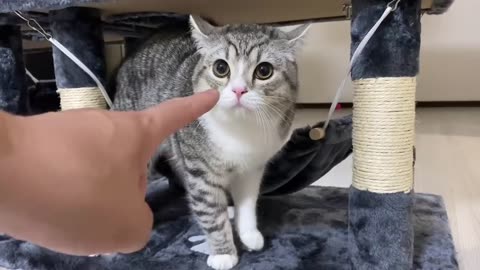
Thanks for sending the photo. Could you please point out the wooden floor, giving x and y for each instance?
(448, 164)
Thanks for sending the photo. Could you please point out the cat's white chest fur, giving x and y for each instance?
(243, 143)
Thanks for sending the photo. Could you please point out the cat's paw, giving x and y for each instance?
(222, 261)
(253, 240)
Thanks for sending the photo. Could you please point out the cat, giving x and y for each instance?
(226, 150)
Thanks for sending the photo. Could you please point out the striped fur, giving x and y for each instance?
(226, 150)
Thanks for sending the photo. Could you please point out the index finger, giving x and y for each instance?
(169, 116)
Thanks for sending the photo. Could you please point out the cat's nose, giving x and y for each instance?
(239, 92)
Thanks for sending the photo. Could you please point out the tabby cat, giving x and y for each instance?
(224, 152)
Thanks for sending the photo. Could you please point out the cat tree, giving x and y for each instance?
(383, 227)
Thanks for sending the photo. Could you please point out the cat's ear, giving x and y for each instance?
(201, 29)
(296, 36)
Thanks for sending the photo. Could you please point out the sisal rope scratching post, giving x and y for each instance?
(81, 98)
(383, 134)
(381, 231)
(76, 88)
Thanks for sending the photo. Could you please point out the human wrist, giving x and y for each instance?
(11, 135)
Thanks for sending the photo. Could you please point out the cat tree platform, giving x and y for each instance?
(217, 11)
(307, 230)
(220, 12)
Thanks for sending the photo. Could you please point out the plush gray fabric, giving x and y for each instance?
(13, 88)
(382, 227)
(302, 161)
(305, 230)
(86, 42)
(393, 51)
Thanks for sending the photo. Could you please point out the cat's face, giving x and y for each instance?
(252, 66)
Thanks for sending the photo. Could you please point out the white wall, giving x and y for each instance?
(449, 57)
(449, 60)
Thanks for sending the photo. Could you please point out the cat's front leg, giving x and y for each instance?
(208, 201)
(245, 191)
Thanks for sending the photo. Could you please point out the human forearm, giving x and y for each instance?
(8, 129)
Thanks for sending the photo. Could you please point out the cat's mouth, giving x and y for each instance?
(239, 107)
(243, 105)
(235, 104)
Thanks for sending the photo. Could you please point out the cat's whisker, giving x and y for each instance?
(279, 100)
(281, 109)
(271, 101)
(278, 112)
(269, 118)
(259, 119)
(269, 121)
(286, 99)
(262, 105)
(196, 128)
(264, 128)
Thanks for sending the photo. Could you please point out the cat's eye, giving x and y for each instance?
(264, 71)
(221, 68)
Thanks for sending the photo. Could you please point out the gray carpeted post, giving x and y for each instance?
(79, 30)
(381, 201)
(12, 70)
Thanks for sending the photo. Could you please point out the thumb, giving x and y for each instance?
(166, 118)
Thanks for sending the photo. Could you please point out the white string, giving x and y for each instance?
(33, 24)
(35, 80)
(83, 67)
(392, 6)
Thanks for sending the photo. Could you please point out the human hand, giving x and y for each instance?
(75, 181)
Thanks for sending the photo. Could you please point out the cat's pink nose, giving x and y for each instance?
(239, 92)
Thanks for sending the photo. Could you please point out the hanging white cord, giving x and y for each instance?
(33, 24)
(35, 80)
(392, 6)
(84, 67)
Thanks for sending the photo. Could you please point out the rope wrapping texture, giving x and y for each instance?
(384, 134)
(81, 98)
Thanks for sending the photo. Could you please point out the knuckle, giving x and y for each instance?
(146, 122)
